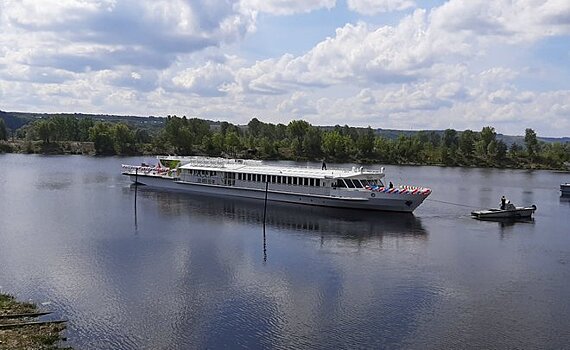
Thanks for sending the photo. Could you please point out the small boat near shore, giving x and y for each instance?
(355, 188)
(565, 189)
(510, 212)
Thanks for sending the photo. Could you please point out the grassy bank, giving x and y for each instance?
(41, 337)
(39, 147)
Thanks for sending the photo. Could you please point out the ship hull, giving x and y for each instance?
(379, 201)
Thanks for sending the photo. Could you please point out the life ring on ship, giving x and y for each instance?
(372, 194)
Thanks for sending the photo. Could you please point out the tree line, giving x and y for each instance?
(299, 140)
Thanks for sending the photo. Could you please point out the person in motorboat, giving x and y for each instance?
(503, 202)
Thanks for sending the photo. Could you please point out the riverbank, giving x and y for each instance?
(88, 148)
(54, 148)
(46, 336)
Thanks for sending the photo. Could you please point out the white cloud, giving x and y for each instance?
(297, 106)
(207, 80)
(89, 34)
(434, 68)
(509, 20)
(287, 7)
(372, 7)
(366, 96)
(358, 54)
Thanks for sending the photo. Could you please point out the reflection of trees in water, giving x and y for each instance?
(345, 223)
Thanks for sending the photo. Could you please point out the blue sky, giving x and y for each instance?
(400, 64)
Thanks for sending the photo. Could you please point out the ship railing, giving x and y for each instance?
(219, 162)
(145, 170)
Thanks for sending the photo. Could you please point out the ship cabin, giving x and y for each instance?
(253, 175)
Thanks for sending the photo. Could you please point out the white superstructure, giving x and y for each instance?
(356, 188)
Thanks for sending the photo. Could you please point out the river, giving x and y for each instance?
(176, 271)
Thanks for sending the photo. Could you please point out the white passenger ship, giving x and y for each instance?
(355, 188)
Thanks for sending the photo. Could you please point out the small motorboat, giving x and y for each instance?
(510, 212)
(565, 189)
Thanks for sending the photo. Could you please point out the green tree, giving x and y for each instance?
(3, 130)
(335, 145)
(365, 143)
(515, 153)
(488, 135)
(267, 149)
(46, 130)
(232, 143)
(408, 149)
(123, 139)
(83, 127)
(447, 155)
(467, 143)
(198, 129)
(254, 127)
(142, 136)
(556, 154)
(486, 147)
(101, 135)
(384, 149)
(501, 152)
(449, 146)
(312, 143)
(296, 131)
(450, 139)
(531, 143)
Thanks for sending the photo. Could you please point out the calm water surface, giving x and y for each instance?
(186, 272)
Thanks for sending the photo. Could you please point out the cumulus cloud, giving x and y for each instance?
(287, 7)
(510, 20)
(372, 7)
(357, 54)
(207, 80)
(77, 34)
(433, 68)
(298, 105)
(362, 54)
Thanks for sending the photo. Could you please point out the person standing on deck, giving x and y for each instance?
(324, 166)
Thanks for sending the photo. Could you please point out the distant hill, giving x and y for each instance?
(15, 120)
(507, 139)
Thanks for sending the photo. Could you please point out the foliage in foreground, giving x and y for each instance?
(37, 337)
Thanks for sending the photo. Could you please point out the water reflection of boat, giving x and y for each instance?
(505, 222)
(565, 189)
(327, 221)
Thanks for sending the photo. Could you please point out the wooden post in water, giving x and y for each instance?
(136, 190)
(264, 215)
(265, 202)
(136, 186)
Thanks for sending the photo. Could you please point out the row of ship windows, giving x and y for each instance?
(277, 179)
(202, 172)
(274, 179)
(291, 180)
(355, 183)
